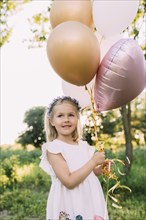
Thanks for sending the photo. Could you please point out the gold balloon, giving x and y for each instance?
(73, 51)
(71, 10)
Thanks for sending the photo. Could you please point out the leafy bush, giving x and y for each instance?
(27, 203)
(133, 208)
(35, 179)
(8, 171)
(34, 134)
(25, 156)
(137, 176)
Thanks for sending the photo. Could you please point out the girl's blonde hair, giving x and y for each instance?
(51, 133)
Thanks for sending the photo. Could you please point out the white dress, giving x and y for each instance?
(84, 202)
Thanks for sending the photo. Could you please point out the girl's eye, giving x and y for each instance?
(71, 115)
(59, 116)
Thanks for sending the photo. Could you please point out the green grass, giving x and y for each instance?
(133, 208)
(24, 187)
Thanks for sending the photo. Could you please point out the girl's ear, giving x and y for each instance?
(51, 122)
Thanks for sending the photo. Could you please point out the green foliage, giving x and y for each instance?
(35, 180)
(29, 193)
(7, 9)
(135, 29)
(24, 156)
(133, 209)
(8, 172)
(39, 26)
(138, 121)
(22, 203)
(34, 134)
(112, 122)
(137, 176)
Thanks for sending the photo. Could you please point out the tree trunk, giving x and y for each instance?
(126, 117)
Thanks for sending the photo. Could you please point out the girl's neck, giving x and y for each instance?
(67, 140)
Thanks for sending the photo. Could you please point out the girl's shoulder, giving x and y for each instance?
(85, 143)
(48, 144)
(89, 148)
(52, 147)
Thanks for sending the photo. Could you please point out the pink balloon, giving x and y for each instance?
(78, 92)
(121, 75)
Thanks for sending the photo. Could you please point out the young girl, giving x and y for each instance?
(75, 192)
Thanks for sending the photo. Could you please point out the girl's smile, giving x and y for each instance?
(66, 126)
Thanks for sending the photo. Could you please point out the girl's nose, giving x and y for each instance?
(66, 118)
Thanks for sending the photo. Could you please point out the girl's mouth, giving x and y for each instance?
(66, 126)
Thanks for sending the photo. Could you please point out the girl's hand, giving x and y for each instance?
(104, 168)
(107, 165)
(98, 158)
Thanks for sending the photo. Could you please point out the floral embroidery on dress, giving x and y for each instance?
(79, 217)
(63, 216)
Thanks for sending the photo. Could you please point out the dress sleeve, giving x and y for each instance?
(44, 163)
(54, 148)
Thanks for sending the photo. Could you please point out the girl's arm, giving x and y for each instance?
(73, 179)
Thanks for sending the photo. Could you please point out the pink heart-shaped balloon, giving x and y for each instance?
(121, 75)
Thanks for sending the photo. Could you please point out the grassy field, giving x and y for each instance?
(24, 186)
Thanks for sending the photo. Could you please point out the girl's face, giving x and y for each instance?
(65, 119)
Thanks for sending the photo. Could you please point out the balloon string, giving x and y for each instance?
(98, 146)
(108, 173)
(101, 39)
